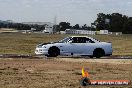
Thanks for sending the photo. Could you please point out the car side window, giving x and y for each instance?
(89, 40)
(79, 40)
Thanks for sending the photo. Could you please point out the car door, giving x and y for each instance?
(67, 47)
(71, 47)
(82, 46)
(77, 45)
(88, 47)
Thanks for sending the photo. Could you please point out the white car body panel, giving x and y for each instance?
(67, 48)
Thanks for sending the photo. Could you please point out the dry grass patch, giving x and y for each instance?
(42, 73)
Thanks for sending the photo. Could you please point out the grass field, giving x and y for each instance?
(14, 43)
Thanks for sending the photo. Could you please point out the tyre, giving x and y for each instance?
(53, 52)
(98, 53)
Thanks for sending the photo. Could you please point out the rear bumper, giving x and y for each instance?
(109, 52)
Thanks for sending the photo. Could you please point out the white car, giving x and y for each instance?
(75, 45)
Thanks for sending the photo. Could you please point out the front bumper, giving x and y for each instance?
(41, 51)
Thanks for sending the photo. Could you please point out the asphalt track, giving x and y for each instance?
(39, 57)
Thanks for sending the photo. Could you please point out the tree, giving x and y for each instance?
(64, 25)
(100, 21)
(76, 26)
(118, 22)
(84, 27)
(128, 26)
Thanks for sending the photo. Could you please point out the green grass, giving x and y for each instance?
(17, 43)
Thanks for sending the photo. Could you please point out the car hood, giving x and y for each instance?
(41, 44)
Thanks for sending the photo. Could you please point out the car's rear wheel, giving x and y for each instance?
(53, 52)
(98, 53)
(91, 56)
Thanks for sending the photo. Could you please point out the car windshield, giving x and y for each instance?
(65, 40)
(94, 39)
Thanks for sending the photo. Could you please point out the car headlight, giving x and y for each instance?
(43, 46)
(38, 46)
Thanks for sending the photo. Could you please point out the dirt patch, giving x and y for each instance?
(58, 72)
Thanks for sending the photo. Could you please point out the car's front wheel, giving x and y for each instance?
(53, 52)
(98, 53)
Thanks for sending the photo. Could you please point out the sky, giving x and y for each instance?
(73, 11)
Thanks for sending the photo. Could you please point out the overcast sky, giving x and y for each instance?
(73, 11)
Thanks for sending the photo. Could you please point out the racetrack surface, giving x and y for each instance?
(115, 59)
(85, 57)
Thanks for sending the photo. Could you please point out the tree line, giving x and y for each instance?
(114, 22)
(62, 26)
(117, 22)
(20, 26)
